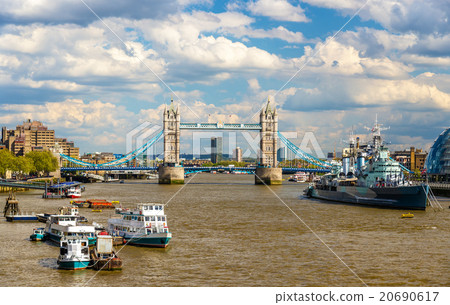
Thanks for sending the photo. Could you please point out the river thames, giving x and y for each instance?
(229, 232)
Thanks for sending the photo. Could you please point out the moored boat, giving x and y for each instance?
(67, 225)
(74, 192)
(299, 177)
(43, 217)
(38, 234)
(12, 211)
(74, 253)
(103, 256)
(94, 204)
(70, 210)
(146, 225)
(21, 217)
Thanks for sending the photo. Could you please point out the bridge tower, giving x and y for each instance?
(170, 172)
(267, 171)
(171, 125)
(268, 136)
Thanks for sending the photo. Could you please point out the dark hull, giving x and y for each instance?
(404, 197)
(12, 218)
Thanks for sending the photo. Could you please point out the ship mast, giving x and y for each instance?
(376, 133)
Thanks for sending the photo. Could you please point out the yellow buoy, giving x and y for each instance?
(407, 215)
(96, 210)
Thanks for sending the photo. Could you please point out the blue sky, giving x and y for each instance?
(223, 59)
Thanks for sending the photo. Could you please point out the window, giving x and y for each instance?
(147, 218)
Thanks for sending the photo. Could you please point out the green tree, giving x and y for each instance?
(43, 161)
(6, 161)
(23, 165)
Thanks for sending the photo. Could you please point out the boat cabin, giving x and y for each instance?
(74, 245)
(39, 231)
(147, 209)
(64, 220)
(147, 218)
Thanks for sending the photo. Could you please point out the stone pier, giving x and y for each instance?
(171, 174)
(268, 175)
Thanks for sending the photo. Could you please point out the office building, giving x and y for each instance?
(237, 154)
(216, 149)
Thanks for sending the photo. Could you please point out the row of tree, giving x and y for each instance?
(35, 162)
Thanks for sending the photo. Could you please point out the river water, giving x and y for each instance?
(229, 232)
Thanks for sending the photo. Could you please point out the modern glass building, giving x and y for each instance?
(216, 149)
(438, 160)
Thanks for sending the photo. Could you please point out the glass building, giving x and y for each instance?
(438, 160)
(216, 149)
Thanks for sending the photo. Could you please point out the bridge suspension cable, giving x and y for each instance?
(304, 156)
(128, 157)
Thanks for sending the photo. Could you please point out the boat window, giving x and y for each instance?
(163, 218)
(153, 218)
(147, 218)
(150, 207)
(145, 207)
(159, 218)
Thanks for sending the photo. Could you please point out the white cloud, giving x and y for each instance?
(181, 38)
(333, 57)
(277, 10)
(426, 60)
(92, 125)
(420, 16)
(254, 84)
(74, 59)
(75, 11)
(274, 33)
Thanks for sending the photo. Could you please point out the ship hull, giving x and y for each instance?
(73, 265)
(12, 218)
(154, 242)
(404, 197)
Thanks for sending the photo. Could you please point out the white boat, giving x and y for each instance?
(299, 177)
(58, 226)
(74, 253)
(146, 225)
(74, 192)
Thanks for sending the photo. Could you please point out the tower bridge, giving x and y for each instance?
(267, 172)
(172, 172)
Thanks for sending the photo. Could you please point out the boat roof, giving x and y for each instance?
(61, 216)
(72, 237)
(149, 204)
(65, 185)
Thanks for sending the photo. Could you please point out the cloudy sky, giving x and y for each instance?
(95, 69)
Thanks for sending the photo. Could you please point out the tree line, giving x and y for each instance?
(35, 162)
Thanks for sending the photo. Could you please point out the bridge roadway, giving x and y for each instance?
(224, 126)
(286, 170)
